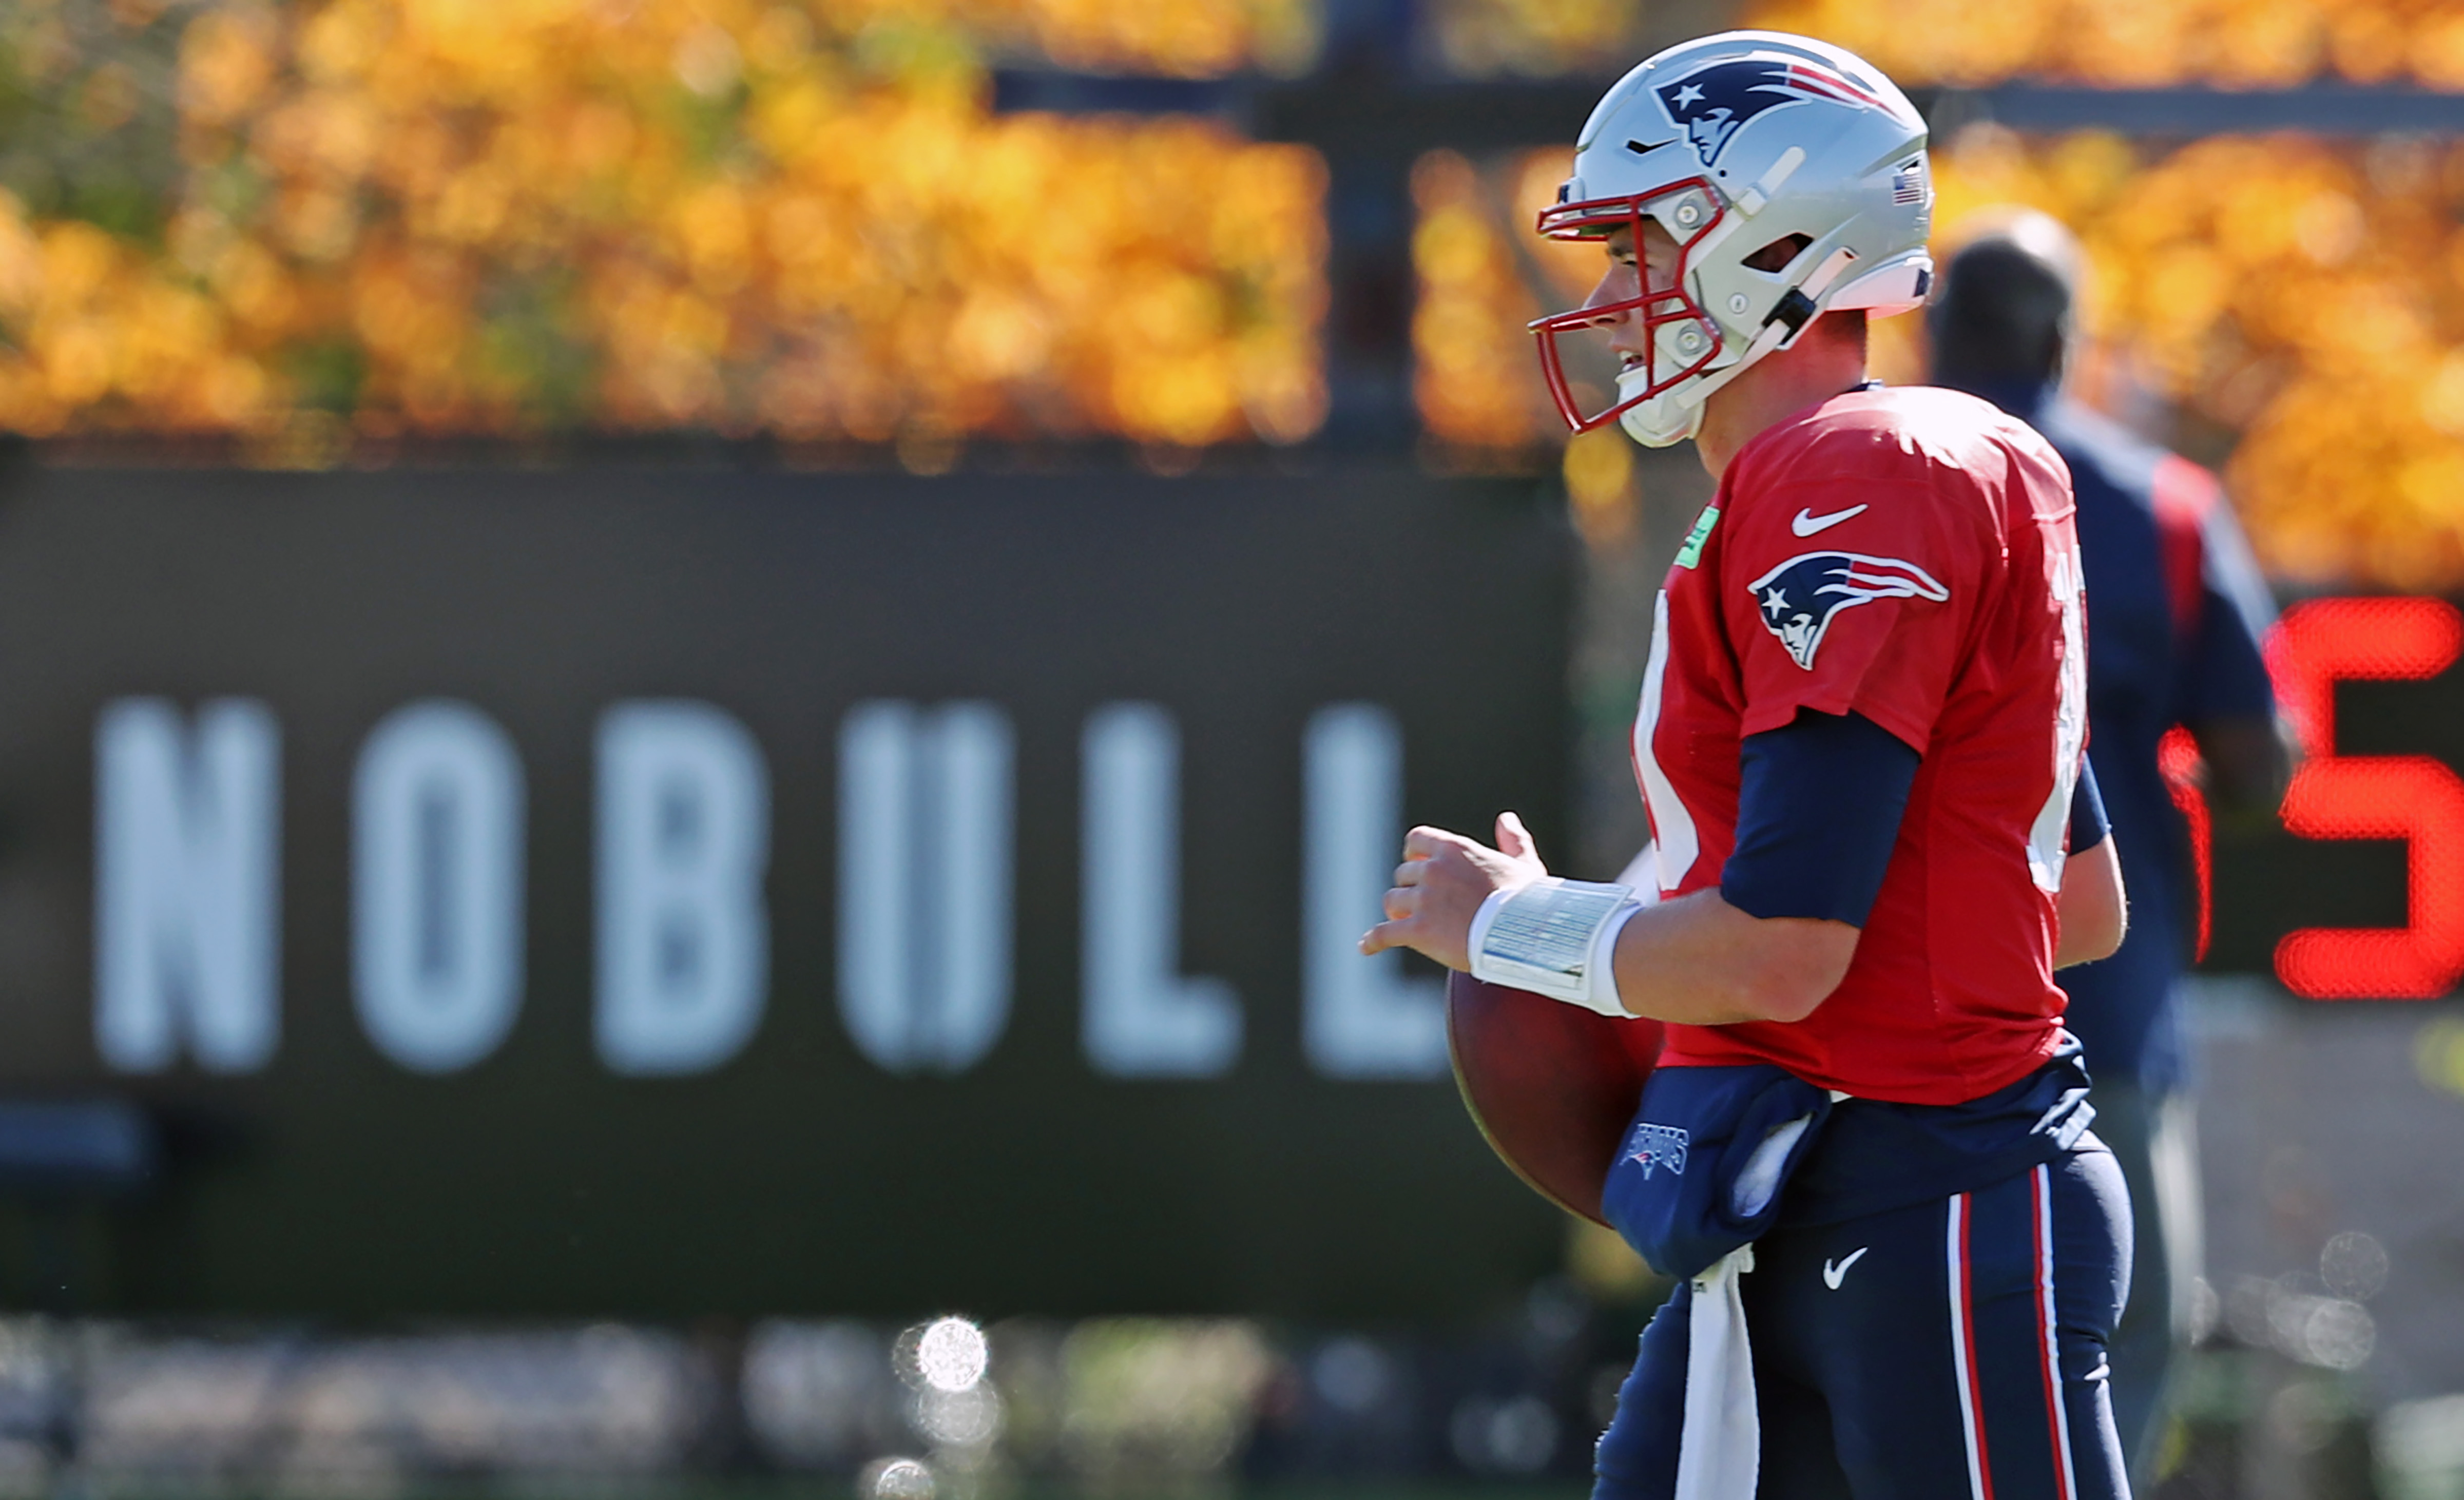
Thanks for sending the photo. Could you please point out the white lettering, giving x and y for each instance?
(684, 843)
(1141, 1020)
(437, 832)
(1361, 1017)
(188, 836)
(925, 883)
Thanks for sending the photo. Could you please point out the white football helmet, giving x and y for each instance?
(1732, 143)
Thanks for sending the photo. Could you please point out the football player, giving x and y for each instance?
(2180, 610)
(1865, 1148)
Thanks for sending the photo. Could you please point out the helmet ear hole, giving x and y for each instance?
(1778, 254)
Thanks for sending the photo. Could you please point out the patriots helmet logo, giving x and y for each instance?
(1801, 596)
(1710, 102)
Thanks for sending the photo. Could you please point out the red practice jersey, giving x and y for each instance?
(1906, 554)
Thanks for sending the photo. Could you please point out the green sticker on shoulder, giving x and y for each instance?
(1692, 552)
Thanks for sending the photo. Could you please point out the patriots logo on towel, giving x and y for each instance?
(1801, 596)
(1710, 102)
(1659, 1146)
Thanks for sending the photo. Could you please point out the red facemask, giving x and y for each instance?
(1593, 219)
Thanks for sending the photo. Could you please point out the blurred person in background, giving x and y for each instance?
(2176, 611)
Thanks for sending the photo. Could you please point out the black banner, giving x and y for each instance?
(658, 892)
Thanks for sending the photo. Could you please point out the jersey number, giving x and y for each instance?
(2045, 852)
(1672, 824)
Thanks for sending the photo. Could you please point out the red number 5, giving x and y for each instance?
(2408, 797)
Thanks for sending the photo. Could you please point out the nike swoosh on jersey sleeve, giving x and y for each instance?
(1805, 523)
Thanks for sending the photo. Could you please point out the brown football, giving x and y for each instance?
(1551, 1086)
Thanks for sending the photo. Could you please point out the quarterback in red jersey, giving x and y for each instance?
(1866, 1150)
(1905, 555)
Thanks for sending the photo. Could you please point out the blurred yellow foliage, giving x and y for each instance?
(490, 216)
(1471, 362)
(2301, 301)
(1482, 275)
(1531, 37)
(2141, 43)
(2306, 295)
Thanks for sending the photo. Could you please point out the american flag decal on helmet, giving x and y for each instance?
(1908, 183)
(1801, 596)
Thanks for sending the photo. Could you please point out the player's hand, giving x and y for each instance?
(1441, 884)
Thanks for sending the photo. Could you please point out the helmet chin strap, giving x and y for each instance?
(1637, 424)
(1777, 332)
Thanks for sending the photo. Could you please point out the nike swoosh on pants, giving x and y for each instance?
(1833, 1275)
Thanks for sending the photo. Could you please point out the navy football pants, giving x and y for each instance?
(1950, 1350)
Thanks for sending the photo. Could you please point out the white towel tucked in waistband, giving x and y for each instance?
(1721, 1452)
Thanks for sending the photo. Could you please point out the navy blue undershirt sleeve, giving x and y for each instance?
(1817, 815)
(2089, 826)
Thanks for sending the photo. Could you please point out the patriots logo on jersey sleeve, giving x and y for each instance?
(1709, 103)
(1801, 596)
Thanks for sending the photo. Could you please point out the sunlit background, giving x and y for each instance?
(310, 232)
(309, 225)
(363, 232)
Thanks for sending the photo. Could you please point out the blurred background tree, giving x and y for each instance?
(406, 216)
(296, 230)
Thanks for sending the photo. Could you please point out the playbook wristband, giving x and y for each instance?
(1555, 938)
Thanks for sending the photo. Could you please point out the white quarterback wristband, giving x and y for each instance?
(1555, 938)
